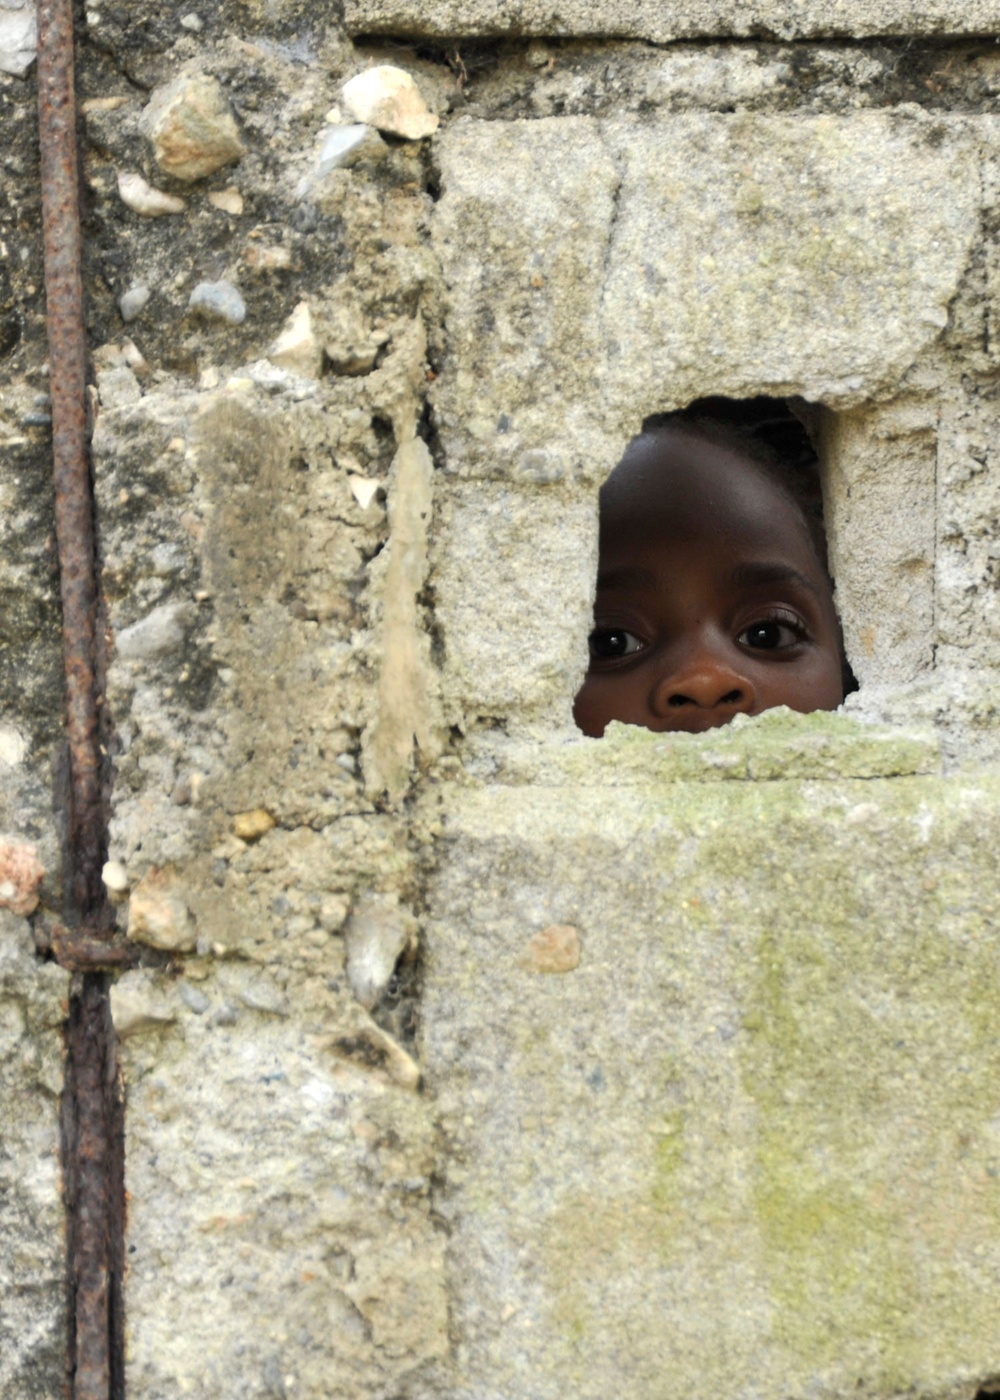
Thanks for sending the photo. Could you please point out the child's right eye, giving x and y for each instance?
(612, 643)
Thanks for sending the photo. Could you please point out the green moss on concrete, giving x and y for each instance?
(779, 744)
(793, 989)
(855, 1022)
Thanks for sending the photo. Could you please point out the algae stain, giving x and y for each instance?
(668, 1159)
(832, 1258)
(594, 1245)
(860, 1199)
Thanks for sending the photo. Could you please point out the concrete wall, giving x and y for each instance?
(467, 1056)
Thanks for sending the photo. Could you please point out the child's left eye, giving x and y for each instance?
(772, 634)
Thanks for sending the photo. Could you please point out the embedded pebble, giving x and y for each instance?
(103, 104)
(133, 356)
(219, 301)
(141, 197)
(332, 913)
(192, 22)
(191, 127)
(158, 914)
(20, 875)
(261, 994)
(229, 201)
(297, 348)
(13, 746)
(363, 489)
(251, 826)
(368, 1045)
(157, 634)
(193, 998)
(116, 880)
(377, 933)
(138, 1003)
(132, 302)
(18, 40)
(388, 99)
(223, 1015)
(555, 949)
(338, 145)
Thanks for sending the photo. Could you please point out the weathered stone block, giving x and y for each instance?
(522, 376)
(881, 486)
(279, 1228)
(750, 1144)
(514, 576)
(774, 255)
(654, 261)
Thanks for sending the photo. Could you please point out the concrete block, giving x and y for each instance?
(654, 261)
(645, 19)
(750, 1144)
(523, 369)
(279, 1232)
(513, 579)
(881, 495)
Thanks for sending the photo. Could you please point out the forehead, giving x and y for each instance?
(673, 484)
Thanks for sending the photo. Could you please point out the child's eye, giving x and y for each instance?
(772, 633)
(611, 643)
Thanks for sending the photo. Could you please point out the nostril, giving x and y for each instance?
(732, 697)
(677, 700)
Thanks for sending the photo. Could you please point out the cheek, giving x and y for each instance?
(603, 698)
(816, 687)
(589, 713)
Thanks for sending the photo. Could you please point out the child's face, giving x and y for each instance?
(711, 600)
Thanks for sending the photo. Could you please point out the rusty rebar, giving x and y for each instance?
(92, 1111)
(88, 1147)
(70, 443)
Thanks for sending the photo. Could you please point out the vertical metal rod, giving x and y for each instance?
(92, 1127)
(89, 1169)
(71, 462)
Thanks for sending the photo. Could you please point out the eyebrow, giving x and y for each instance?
(749, 575)
(628, 576)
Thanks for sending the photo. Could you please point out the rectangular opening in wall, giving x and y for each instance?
(714, 596)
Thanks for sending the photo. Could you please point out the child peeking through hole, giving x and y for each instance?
(713, 596)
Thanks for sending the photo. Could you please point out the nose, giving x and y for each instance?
(704, 688)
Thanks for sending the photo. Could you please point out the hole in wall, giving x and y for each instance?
(713, 594)
(382, 428)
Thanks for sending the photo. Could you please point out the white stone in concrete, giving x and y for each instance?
(18, 36)
(388, 99)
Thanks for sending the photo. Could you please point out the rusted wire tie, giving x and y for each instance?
(87, 949)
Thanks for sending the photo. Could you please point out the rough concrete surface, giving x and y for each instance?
(296, 1255)
(464, 1056)
(692, 266)
(32, 1257)
(749, 1144)
(646, 19)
